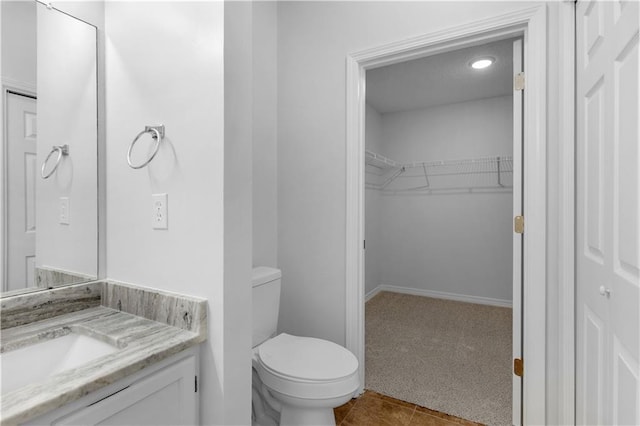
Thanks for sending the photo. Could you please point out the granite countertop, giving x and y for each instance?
(143, 339)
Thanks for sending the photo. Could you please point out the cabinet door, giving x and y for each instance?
(167, 397)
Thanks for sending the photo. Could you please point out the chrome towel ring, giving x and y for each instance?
(157, 133)
(61, 150)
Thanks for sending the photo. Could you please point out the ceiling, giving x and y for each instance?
(440, 79)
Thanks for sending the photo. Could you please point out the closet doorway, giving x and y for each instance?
(443, 137)
(530, 329)
(531, 24)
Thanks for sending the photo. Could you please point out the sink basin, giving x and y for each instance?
(34, 363)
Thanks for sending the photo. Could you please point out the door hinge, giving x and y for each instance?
(364, 244)
(518, 367)
(196, 384)
(518, 81)
(518, 224)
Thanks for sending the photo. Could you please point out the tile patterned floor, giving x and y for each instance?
(374, 409)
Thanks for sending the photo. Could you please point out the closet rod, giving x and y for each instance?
(440, 169)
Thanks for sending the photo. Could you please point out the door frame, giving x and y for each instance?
(566, 288)
(532, 24)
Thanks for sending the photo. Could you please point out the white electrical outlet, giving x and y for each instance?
(64, 211)
(160, 211)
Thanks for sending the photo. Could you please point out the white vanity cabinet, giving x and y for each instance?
(165, 393)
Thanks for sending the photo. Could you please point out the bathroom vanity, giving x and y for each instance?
(162, 394)
(101, 352)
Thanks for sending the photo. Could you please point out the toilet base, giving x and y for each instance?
(308, 412)
(293, 411)
(297, 416)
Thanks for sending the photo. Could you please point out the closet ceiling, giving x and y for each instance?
(441, 79)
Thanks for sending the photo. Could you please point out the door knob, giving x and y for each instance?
(605, 291)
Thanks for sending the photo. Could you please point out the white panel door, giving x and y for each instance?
(22, 171)
(608, 211)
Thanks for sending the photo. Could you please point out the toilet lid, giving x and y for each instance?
(307, 358)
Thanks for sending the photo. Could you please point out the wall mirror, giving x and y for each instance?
(49, 211)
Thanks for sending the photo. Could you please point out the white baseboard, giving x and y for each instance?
(439, 295)
(372, 293)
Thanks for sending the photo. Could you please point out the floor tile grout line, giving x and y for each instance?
(351, 409)
(349, 412)
(413, 413)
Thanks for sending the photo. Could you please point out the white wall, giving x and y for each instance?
(165, 64)
(448, 241)
(88, 11)
(18, 35)
(374, 142)
(265, 165)
(373, 127)
(238, 138)
(455, 131)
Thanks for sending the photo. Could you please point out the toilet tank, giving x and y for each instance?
(266, 303)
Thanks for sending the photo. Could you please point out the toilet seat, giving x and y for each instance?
(306, 358)
(307, 367)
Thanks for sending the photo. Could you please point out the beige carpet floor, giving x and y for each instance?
(448, 356)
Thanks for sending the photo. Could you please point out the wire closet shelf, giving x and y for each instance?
(480, 174)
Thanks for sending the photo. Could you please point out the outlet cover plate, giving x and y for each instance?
(64, 211)
(160, 211)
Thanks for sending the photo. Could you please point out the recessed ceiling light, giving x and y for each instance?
(482, 63)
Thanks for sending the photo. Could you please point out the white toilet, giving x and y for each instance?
(296, 380)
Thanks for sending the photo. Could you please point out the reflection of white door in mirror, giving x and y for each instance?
(21, 169)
